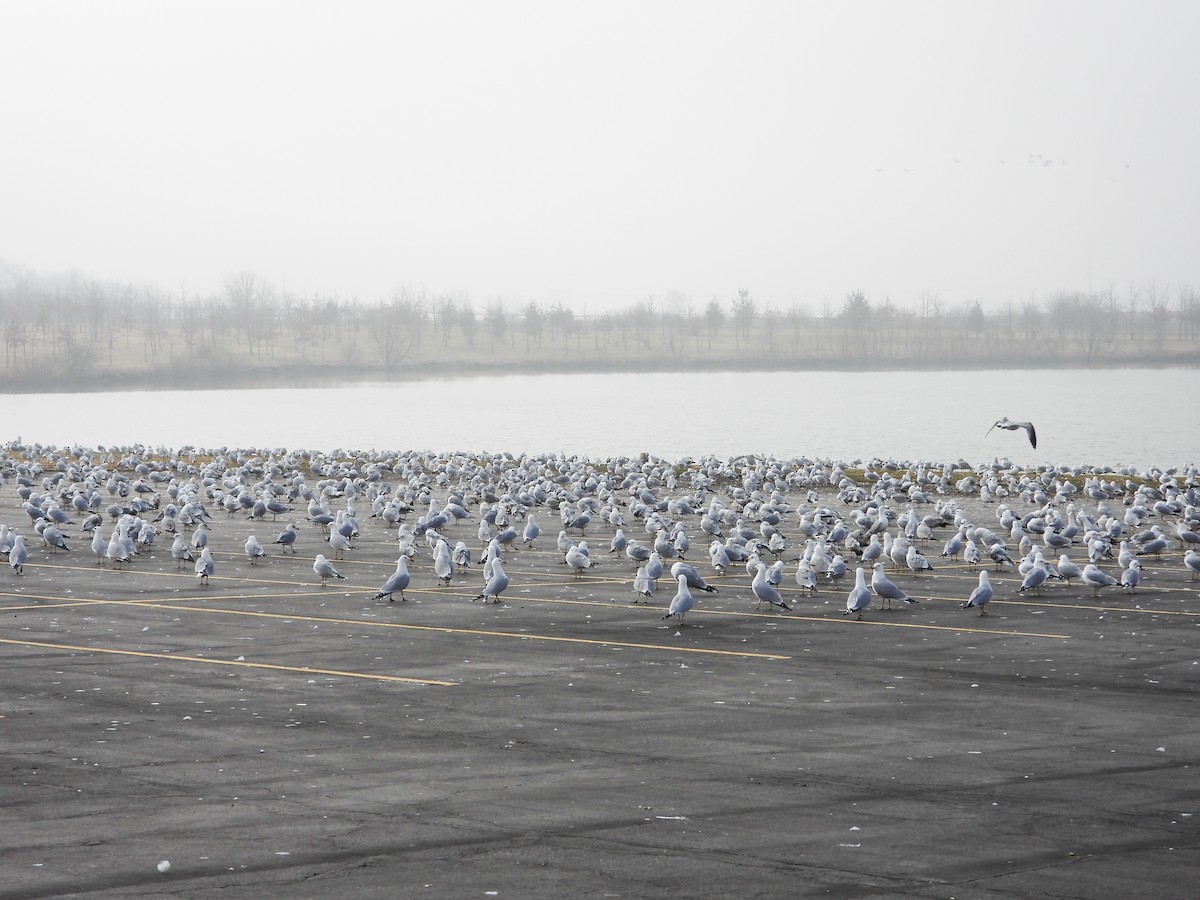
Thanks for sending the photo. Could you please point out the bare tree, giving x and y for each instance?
(800, 321)
(1158, 308)
(562, 321)
(534, 321)
(251, 307)
(744, 311)
(714, 318)
(854, 322)
(467, 323)
(497, 322)
(389, 330)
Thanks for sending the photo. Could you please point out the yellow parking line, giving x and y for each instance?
(482, 632)
(176, 657)
(1034, 601)
(1104, 609)
(593, 604)
(793, 617)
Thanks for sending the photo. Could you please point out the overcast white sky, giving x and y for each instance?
(596, 154)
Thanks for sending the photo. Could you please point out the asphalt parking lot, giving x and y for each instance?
(268, 737)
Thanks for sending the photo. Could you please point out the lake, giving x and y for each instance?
(1137, 417)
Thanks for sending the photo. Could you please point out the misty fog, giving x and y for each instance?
(70, 333)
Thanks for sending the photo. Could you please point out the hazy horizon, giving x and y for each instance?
(595, 156)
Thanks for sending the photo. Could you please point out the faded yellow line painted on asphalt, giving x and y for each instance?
(591, 604)
(965, 629)
(1088, 607)
(177, 657)
(481, 632)
(1104, 609)
(793, 617)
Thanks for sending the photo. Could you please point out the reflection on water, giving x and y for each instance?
(1120, 417)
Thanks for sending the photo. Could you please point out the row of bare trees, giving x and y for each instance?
(71, 325)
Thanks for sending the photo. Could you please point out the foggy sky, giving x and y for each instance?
(596, 154)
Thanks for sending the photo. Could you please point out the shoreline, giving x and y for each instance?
(184, 376)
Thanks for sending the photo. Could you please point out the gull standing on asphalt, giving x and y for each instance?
(1034, 579)
(324, 568)
(681, 602)
(1132, 576)
(695, 581)
(18, 555)
(530, 532)
(205, 565)
(254, 550)
(886, 589)
(287, 538)
(764, 591)
(859, 597)
(806, 578)
(443, 562)
(642, 584)
(981, 595)
(397, 581)
(1096, 578)
(496, 583)
(1067, 569)
(1191, 559)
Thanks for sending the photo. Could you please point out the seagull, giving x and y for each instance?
(496, 583)
(1097, 578)
(397, 581)
(324, 568)
(204, 565)
(18, 555)
(981, 595)
(886, 589)
(287, 538)
(340, 542)
(1008, 425)
(254, 550)
(636, 552)
(654, 567)
(1000, 556)
(618, 543)
(859, 597)
(806, 578)
(116, 551)
(642, 584)
(200, 536)
(682, 601)
(916, 560)
(695, 581)
(578, 559)
(1191, 559)
(443, 562)
(54, 538)
(764, 591)
(180, 551)
(1035, 578)
(719, 557)
(1132, 576)
(100, 546)
(530, 532)
(1068, 569)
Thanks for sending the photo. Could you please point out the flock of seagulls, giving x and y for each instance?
(759, 516)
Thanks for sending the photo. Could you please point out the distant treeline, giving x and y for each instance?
(69, 333)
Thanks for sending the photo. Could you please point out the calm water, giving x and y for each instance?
(1135, 417)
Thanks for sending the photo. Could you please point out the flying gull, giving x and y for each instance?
(1008, 425)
